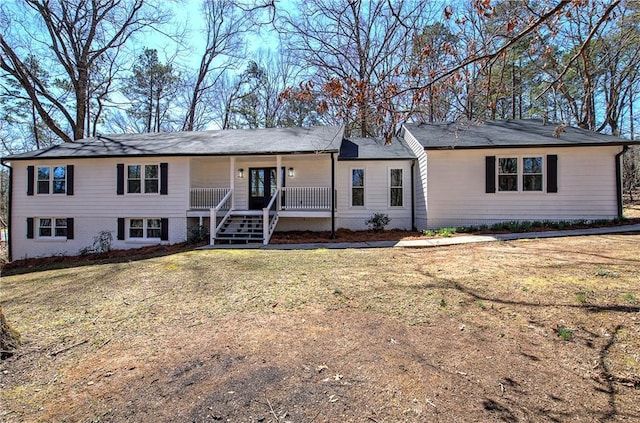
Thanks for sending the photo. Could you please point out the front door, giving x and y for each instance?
(262, 186)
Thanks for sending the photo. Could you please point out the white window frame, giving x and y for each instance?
(51, 180)
(142, 180)
(392, 187)
(53, 227)
(145, 229)
(363, 188)
(520, 174)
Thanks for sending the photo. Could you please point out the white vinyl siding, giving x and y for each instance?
(420, 174)
(376, 192)
(457, 197)
(96, 205)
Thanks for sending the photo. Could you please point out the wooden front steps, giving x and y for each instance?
(241, 228)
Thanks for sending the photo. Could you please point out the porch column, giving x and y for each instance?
(232, 180)
(279, 180)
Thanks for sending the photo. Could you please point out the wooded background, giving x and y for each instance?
(70, 69)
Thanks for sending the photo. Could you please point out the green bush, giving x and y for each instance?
(198, 235)
(378, 221)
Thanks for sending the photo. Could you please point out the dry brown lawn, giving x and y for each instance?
(463, 333)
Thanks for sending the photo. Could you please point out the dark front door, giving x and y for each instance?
(262, 186)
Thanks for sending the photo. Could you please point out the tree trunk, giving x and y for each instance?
(9, 338)
(81, 102)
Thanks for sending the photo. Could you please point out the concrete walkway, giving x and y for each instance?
(435, 242)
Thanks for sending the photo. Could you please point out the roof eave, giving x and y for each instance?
(505, 146)
(104, 156)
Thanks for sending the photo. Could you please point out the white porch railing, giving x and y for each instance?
(270, 218)
(306, 198)
(224, 204)
(206, 198)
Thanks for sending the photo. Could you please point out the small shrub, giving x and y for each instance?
(429, 232)
(198, 235)
(101, 244)
(446, 232)
(501, 226)
(630, 298)
(581, 297)
(514, 226)
(564, 333)
(378, 221)
(480, 304)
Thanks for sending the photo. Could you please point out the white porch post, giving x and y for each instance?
(213, 223)
(279, 181)
(232, 181)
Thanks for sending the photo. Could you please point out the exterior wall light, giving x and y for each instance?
(291, 172)
(241, 173)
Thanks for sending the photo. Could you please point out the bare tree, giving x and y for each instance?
(226, 23)
(356, 51)
(75, 36)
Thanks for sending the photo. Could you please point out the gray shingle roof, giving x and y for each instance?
(505, 133)
(218, 143)
(374, 149)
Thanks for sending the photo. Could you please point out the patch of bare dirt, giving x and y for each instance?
(464, 333)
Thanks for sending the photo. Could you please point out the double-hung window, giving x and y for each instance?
(143, 179)
(52, 179)
(532, 174)
(148, 228)
(357, 187)
(520, 174)
(508, 174)
(49, 227)
(396, 192)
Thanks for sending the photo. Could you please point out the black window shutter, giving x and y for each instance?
(30, 179)
(30, 227)
(69, 227)
(164, 183)
(552, 173)
(120, 179)
(164, 229)
(490, 174)
(70, 180)
(120, 228)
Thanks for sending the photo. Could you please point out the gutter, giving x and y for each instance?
(9, 210)
(619, 180)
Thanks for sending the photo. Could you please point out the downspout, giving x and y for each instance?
(333, 197)
(413, 197)
(9, 209)
(619, 180)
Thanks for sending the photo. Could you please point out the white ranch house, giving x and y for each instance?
(245, 184)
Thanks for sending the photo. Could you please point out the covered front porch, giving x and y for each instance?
(244, 197)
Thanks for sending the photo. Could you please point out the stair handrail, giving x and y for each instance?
(214, 216)
(268, 225)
